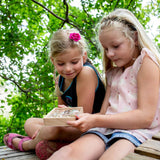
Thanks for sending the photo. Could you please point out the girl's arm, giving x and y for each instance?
(86, 85)
(148, 93)
(86, 120)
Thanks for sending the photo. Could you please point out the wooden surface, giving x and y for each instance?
(149, 150)
(135, 156)
(9, 154)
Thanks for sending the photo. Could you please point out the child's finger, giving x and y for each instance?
(77, 117)
(62, 106)
(74, 123)
(71, 123)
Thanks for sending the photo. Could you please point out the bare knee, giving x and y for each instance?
(118, 150)
(32, 125)
(28, 124)
(63, 153)
(28, 121)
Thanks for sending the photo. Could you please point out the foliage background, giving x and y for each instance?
(25, 29)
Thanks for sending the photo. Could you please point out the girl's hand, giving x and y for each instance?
(84, 122)
(62, 106)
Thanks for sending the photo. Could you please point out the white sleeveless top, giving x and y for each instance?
(123, 97)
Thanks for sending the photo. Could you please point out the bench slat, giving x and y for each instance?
(149, 148)
(9, 154)
(134, 156)
(28, 157)
(157, 136)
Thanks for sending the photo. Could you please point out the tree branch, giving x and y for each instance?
(48, 10)
(64, 20)
(6, 78)
(65, 3)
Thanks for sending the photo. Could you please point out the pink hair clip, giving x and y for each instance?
(75, 37)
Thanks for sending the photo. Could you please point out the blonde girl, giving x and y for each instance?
(130, 113)
(78, 84)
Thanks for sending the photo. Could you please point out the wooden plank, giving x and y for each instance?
(24, 157)
(9, 154)
(28, 157)
(157, 136)
(15, 154)
(150, 148)
(134, 156)
(5, 150)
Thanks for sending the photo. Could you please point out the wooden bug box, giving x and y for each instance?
(60, 116)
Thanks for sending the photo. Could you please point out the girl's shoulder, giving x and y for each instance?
(147, 53)
(87, 78)
(87, 71)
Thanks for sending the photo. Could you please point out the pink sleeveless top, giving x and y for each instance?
(124, 97)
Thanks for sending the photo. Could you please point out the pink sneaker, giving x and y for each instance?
(45, 149)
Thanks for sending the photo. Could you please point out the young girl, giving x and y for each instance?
(130, 112)
(79, 85)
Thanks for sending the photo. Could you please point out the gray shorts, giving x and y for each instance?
(111, 138)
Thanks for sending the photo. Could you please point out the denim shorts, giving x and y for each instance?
(111, 138)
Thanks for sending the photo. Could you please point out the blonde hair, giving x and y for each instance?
(60, 42)
(129, 24)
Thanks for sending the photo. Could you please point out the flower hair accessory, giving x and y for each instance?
(75, 37)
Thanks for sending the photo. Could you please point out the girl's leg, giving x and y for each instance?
(45, 133)
(87, 147)
(118, 150)
(33, 125)
(49, 132)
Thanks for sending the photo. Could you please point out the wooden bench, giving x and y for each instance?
(9, 154)
(149, 150)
